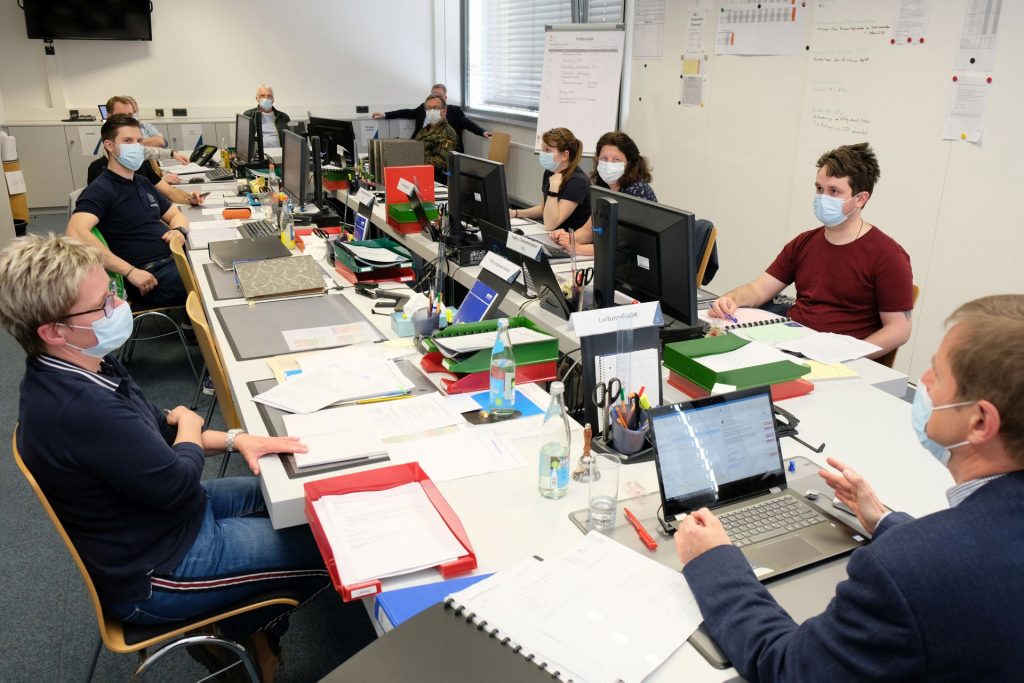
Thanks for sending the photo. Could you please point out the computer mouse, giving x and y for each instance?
(196, 180)
(518, 231)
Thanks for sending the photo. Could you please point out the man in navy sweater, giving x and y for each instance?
(125, 477)
(453, 114)
(934, 599)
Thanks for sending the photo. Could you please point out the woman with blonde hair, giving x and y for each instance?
(565, 187)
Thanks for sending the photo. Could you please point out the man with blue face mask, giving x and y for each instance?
(937, 598)
(273, 122)
(136, 221)
(124, 477)
(851, 278)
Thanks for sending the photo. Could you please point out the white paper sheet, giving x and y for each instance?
(374, 254)
(978, 33)
(598, 612)
(762, 28)
(468, 343)
(309, 338)
(968, 102)
(375, 534)
(829, 348)
(466, 453)
(200, 239)
(15, 182)
(185, 169)
(911, 21)
(312, 391)
(754, 353)
(648, 28)
(214, 225)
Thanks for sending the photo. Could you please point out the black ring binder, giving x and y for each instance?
(480, 626)
(530, 657)
(759, 323)
(542, 666)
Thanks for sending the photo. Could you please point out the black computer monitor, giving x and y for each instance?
(334, 133)
(295, 166)
(476, 192)
(243, 138)
(654, 251)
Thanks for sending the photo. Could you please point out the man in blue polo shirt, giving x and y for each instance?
(136, 221)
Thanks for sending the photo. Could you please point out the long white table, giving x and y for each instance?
(860, 421)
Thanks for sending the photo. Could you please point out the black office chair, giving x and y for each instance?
(707, 251)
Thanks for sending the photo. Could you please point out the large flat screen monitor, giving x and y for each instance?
(88, 20)
(334, 133)
(654, 251)
(476, 192)
(243, 138)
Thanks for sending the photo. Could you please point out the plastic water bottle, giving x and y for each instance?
(503, 373)
(225, 158)
(554, 451)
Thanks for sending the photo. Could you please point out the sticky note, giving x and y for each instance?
(691, 67)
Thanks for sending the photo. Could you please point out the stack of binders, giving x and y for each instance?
(536, 360)
(355, 261)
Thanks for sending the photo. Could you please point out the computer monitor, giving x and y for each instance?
(295, 166)
(103, 112)
(654, 249)
(334, 133)
(476, 192)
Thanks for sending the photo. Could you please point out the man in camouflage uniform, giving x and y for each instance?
(438, 138)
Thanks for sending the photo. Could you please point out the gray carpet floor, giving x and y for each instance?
(49, 627)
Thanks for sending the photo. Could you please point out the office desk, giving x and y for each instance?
(507, 519)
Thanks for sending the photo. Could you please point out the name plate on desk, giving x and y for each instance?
(500, 266)
(406, 186)
(524, 246)
(614, 318)
(364, 196)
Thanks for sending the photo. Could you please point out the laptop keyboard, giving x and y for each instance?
(219, 173)
(771, 518)
(256, 229)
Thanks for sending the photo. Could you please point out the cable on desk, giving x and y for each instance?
(525, 304)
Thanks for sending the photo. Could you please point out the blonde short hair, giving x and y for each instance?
(987, 358)
(40, 279)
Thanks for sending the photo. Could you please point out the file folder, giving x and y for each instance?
(683, 357)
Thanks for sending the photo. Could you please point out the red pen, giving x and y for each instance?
(640, 530)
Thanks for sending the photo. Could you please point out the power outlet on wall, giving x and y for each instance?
(362, 109)
(179, 112)
(159, 113)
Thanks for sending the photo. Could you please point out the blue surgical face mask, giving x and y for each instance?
(921, 413)
(130, 156)
(829, 210)
(266, 104)
(111, 333)
(547, 161)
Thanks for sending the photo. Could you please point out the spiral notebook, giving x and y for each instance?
(558, 613)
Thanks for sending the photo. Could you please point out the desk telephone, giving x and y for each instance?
(202, 154)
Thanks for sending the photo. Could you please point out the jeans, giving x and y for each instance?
(169, 290)
(236, 554)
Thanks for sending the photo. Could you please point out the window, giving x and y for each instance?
(503, 44)
(505, 52)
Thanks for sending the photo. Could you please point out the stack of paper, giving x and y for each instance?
(376, 534)
(362, 431)
(450, 347)
(599, 612)
(340, 381)
(829, 348)
(747, 356)
(373, 255)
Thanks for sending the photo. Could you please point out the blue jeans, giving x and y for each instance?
(236, 554)
(169, 290)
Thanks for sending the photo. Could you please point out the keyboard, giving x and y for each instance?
(771, 518)
(219, 173)
(256, 229)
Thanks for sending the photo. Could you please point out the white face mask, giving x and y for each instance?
(433, 116)
(611, 171)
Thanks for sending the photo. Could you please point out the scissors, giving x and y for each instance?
(584, 276)
(605, 394)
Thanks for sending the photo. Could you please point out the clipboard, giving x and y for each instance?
(379, 480)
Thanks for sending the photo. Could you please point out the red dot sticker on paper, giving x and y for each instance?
(909, 39)
(921, 41)
(892, 41)
(988, 80)
(954, 79)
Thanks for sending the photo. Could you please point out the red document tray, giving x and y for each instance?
(420, 176)
(377, 275)
(380, 480)
(780, 391)
(302, 232)
(405, 228)
(480, 381)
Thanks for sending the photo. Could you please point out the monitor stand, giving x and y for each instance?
(676, 331)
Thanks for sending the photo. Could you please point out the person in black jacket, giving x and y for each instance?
(454, 115)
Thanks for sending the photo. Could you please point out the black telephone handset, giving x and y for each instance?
(785, 425)
(202, 155)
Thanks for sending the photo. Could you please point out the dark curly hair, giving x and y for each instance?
(637, 167)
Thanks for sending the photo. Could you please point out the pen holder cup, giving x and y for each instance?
(425, 324)
(630, 441)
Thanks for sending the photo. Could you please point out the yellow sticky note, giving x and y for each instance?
(691, 67)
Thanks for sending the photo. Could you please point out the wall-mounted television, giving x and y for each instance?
(88, 19)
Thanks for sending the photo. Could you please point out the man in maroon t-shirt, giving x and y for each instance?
(851, 278)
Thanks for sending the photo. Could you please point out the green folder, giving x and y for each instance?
(403, 213)
(682, 359)
(356, 266)
(480, 361)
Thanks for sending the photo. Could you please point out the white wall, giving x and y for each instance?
(323, 55)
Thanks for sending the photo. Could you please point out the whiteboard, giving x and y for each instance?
(746, 158)
(580, 84)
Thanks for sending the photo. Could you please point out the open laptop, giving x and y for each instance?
(722, 452)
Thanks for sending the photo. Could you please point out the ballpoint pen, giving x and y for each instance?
(732, 318)
(640, 530)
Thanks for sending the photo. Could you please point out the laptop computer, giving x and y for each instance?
(722, 452)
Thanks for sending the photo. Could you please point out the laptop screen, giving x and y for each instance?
(716, 450)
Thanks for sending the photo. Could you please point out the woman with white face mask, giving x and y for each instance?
(619, 167)
(565, 188)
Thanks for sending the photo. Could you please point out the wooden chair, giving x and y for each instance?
(888, 359)
(709, 246)
(121, 637)
(188, 278)
(499, 147)
(215, 366)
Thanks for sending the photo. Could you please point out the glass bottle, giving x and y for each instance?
(553, 461)
(503, 373)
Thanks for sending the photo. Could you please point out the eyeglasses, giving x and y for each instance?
(109, 303)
